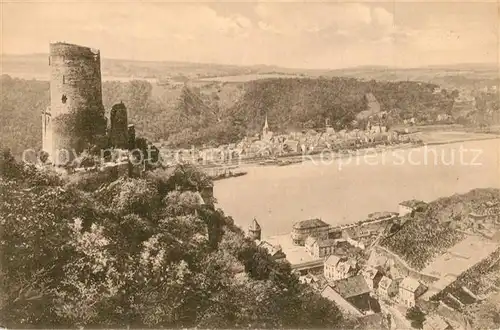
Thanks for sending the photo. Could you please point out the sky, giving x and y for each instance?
(316, 35)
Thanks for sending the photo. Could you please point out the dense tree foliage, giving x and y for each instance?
(483, 313)
(487, 314)
(219, 113)
(487, 101)
(432, 232)
(21, 105)
(416, 316)
(137, 252)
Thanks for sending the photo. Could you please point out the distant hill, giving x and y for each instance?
(303, 103)
(449, 76)
(21, 106)
(217, 113)
(35, 66)
(199, 111)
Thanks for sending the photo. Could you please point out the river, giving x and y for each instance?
(346, 190)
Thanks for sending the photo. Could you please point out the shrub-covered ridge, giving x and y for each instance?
(140, 253)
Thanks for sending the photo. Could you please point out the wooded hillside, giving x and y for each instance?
(139, 252)
(220, 113)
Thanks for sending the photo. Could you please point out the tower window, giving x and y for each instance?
(64, 79)
(64, 99)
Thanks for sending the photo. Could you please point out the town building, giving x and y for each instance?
(309, 244)
(345, 306)
(308, 279)
(443, 117)
(357, 244)
(436, 322)
(387, 288)
(320, 248)
(453, 317)
(379, 260)
(372, 276)
(409, 206)
(292, 146)
(255, 234)
(410, 290)
(377, 129)
(312, 227)
(300, 260)
(274, 250)
(339, 267)
(476, 217)
(490, 204)
(355, 290)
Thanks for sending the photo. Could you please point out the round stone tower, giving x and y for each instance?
(76, 110)
(254, 231)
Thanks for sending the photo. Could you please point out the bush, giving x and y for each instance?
(416, 316)
(137, 253)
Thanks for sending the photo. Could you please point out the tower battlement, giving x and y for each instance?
(72, 50)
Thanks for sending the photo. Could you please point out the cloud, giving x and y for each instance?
(268, 28)
(285, 33)
(297, 18)
(382, 17)
(451, 34)
(144, 30)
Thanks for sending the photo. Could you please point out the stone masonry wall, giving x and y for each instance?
(77, 112)
(119, 126)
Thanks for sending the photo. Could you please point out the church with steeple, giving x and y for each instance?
(266, 132)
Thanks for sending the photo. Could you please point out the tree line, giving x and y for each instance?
(185, 115)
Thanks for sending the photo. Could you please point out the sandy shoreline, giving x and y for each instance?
(363, 152)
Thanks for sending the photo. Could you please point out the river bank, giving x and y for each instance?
(453, 136)
(278, 196)
(427, 138)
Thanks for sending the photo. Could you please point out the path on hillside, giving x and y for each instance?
(399, 320)
(395, 256)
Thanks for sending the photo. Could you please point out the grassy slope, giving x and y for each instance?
(427, 236)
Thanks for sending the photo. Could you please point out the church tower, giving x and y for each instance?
(266, 133)
(254, 231)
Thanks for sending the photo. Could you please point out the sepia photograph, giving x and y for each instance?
(250, 164)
